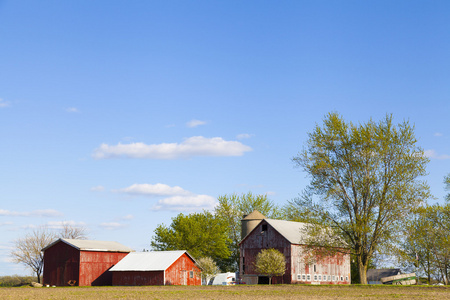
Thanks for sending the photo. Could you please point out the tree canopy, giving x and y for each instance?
(365, 180)
(231, 209)
(201, 234)
(270, 262)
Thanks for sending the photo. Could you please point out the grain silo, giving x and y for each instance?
(249, 222)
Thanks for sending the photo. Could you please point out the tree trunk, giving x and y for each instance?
(270, 280)
(38, 274)
(362, 270)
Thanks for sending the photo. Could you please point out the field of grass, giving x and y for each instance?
(230, 292)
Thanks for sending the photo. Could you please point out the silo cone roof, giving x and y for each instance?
(255, 215)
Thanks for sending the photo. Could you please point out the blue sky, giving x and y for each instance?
(118, 115)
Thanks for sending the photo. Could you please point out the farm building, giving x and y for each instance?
(374, 275)
(261, 233)
(157, 268)
(81, 262)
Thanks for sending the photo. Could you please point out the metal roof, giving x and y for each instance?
(377, 274)
(90, 245)
(254, 215)
(149, 261)
(292, 231)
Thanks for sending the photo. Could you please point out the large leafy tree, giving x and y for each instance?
(365, 180)
(231, 209)
(201, 234)
(270, 262)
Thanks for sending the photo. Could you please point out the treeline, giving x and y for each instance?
(15, 280)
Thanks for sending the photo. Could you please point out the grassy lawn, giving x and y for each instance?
(231, 292)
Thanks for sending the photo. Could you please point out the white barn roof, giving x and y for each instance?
(90, 245)
(149, 261)
(292, 231)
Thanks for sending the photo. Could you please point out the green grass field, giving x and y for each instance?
(230, 292)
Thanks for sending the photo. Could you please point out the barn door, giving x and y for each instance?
(183, 277)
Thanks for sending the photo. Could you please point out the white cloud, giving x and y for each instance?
(438, 134)
(158, 189)
(433, 154)
(176, 198)
(4, 103)
(60, 224)
(72, 110)
(98, 188)
(186, 203)
(112, 225)
(195, 123)
(190, 147)
(6, 223)
(243, 136)
(34, 213)
(128, 217)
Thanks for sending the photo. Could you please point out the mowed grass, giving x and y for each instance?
(231, 292)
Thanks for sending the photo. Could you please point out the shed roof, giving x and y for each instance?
(91, 245)
(149, 261)
(377, 274)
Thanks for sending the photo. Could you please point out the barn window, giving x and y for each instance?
(346, 278)
(191, 274)
(320, 277)
(304, 277)
(333, 278)
(299, 277)
(315, 277)
(264, 227)
(342, 278)
(308, 277)
(329, 277)
(314, 268)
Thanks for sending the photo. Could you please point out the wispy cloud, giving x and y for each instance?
(186, 203)
(244, 136)
(4, 103)
(72, 110)
(176, 198)
(61, 224)
(98, 188)
(433, 154)
(112, 225)
(190, 147)
(34, 213)
(6, 223)
(438, 134)
(127, 217)
(158, 189)
(195, 123)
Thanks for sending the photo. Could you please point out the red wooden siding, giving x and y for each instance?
(94, 266)
(61, 264)
(337, 265)
(138, 278)
(179, 273)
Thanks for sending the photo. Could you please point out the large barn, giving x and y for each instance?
(81, 262)
(261, 233)
(157, 268)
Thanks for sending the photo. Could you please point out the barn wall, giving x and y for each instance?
(337, 266)
(61, 264)
(179, 273)
(321, 270)
(256, 241)
(138, 278)
(94, 266)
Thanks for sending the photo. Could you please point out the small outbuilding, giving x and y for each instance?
(81, 262)
(374, 275)
(157, 268)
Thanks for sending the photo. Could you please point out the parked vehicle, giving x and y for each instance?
(228, 278)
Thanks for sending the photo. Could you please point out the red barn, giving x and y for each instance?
(81, 262)
(157, 268)
(286, 236)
